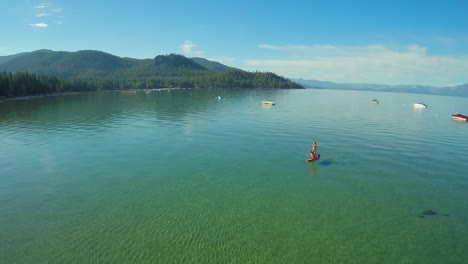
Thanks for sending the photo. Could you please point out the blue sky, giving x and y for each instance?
(388, 42)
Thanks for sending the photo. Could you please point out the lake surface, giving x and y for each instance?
(182, 177)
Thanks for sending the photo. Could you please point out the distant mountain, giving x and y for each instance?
(96, 64)
(341, 86)
(170, 70)
(459, 90)
(84, 64)
(211, 65)
(5, 59)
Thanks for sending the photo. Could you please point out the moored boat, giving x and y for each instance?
(419, 105)
(268, 103)
(459, 117)
(375, 101)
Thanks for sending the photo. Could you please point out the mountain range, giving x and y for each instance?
(170, 70)
(458, 90)
(175, 70)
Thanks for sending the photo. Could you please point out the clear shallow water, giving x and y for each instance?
(180, 177)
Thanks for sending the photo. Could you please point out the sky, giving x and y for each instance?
(385, 42)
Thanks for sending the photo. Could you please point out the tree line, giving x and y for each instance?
(26, 84)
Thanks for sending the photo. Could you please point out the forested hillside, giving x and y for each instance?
(96, 70)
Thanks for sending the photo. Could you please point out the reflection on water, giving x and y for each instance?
(313, 168)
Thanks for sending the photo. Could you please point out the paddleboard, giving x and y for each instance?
(316, 157)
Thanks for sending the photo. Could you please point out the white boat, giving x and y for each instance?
(375, 101)
(419, 105)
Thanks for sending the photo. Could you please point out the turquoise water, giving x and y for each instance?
(182, 177)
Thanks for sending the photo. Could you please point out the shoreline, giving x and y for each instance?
(39, 96)
(31, 97)
(148, 90)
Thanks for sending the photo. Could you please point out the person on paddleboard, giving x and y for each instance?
(313, 151)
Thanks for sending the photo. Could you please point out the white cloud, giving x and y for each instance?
(188, 48)
(365, 64)
(293, 48)
(39, 25)
(46, 11)
(42, 15)
(41, 6)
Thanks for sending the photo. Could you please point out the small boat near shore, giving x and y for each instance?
(374, 101)
(268, 103)
(420, 105)
(459, 117)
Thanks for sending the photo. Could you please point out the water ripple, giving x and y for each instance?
(182, 177)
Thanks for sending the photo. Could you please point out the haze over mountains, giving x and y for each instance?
(458, 90)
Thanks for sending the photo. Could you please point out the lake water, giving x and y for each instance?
(182, 177)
